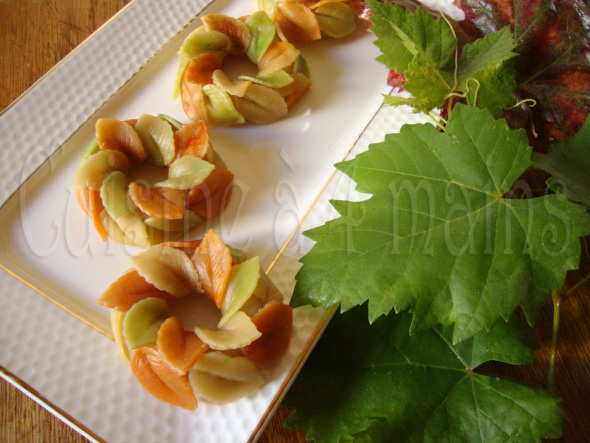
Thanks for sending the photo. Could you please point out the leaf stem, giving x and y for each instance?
(437, 121)
(573, 289)
(556, 297)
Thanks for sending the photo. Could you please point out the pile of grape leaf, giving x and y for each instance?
(432, 270)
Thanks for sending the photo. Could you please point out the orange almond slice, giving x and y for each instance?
(128, 290)
(161, 380)
(188, 247)
(181, 349)
(120, 136)
(91, 203)
(193, 139)
(210, 197)
(275, 322)
(200, 69)
(160, 202)
(235, 29)
(213, 262)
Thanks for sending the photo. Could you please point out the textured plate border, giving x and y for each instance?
(39, 376)
(41, 91)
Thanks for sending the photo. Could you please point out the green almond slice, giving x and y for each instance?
(92, 148)
(263, 33)
(142, 321)
(183, 63)
(114, 195)
(176, 125)
(158, 139)
(201, 41)
(186, 224)
(277, 79)
(336, 19)
(187, 172)
(220, 107)
(243, 280)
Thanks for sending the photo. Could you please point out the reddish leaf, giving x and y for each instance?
(553, 68)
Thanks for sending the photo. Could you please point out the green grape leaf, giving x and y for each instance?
(486, 53)
(569, 166)
(378, 383)
(485, 75)
(402, 34)
(428, 85)
(494, 89)
(424, 49)
(437, 237)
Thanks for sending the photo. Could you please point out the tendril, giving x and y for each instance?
(456, 49)
(532, 102)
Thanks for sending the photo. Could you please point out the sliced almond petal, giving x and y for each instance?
(193, 139)
(237, 332)
(164, 203)
(213, 263)
(261, 105)
(279, 55)
(293, 92)
(275, 322)
(168, 269)
(142, 322)
(297, 22)
(98, 166)
(117, 327)
(192, 97)
(212, 196)
(188, 247)
(160, 380)
(181, 349)
(234, 29)
(128, 290)
(117, 135)
(238, 88)
(232, 368)
(220, 378)
(220, 390)
(200, 69)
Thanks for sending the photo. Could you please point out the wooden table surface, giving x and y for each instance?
(36, 34)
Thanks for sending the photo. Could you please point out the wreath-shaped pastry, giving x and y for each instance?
(250, 326)
(134, 212)
(208, 93)
(305, 21)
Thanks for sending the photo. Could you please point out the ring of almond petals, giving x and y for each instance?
(305, 21)
(246, 326)
(135, 212)
(207, 93)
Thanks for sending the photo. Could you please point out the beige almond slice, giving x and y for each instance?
(160, 202)
(238, 331)
(168, 269)
(297, 22)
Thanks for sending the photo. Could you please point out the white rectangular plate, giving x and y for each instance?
(47, 242)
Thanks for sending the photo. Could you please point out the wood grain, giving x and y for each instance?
(36, 34)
